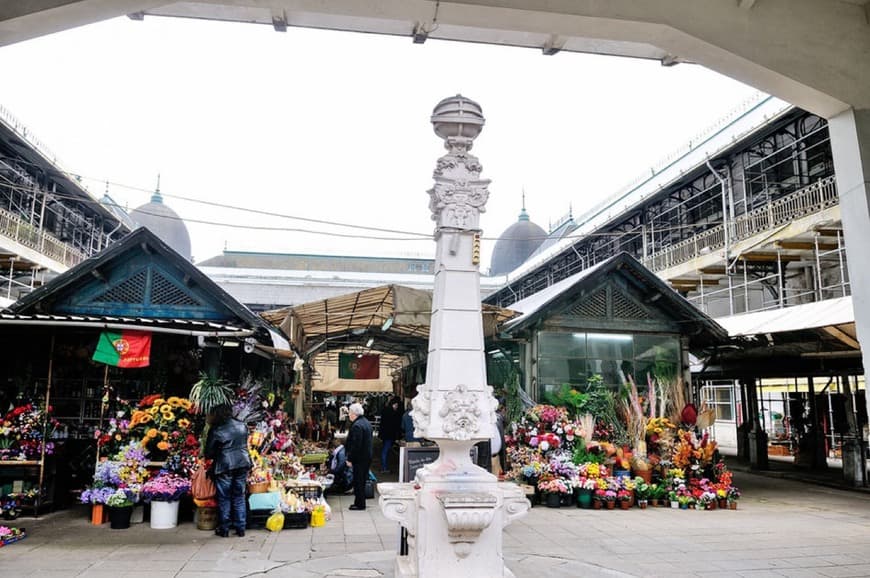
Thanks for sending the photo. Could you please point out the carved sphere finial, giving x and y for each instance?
(457, 118)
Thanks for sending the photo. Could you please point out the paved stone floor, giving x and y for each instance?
(783, 528)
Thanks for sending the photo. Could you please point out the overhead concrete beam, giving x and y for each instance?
(26, 19)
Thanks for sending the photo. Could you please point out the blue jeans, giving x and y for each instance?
(385, 454)
(230, 488)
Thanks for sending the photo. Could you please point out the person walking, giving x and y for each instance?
(389, 431)
(359, 453)
(227, 446)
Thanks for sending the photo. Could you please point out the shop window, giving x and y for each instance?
(609, 346)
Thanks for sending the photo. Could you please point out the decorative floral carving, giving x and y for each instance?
(460, 414)
(421, 407)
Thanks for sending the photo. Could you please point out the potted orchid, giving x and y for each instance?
(610, 499)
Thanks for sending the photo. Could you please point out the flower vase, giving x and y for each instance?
(624, 504)
(98, 514)
(610, 505)
(553, 500)
(164, 515)
(119, 518)
(584, 499)
(596, 504)
(723, 503)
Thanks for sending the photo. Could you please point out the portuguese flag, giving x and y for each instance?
(124, 348)
(364, 367)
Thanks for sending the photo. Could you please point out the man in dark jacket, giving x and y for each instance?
(359, 454)
(390, 431)
(227, 445)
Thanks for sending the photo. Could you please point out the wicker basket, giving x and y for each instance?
(258, 488)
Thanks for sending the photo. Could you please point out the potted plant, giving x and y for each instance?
(624, 499)
(586, 487)
(553, 490)
(673, 499)
(642, 493)
(654, 493)
(733, 496)
(684, 500)
(598, 499)
(708, 500)
(120, 505)
(164, 491)
(610, 499)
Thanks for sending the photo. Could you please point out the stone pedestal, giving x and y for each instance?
(454, 511)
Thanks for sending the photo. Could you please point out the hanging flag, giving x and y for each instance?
(124, 348)
(351, 366)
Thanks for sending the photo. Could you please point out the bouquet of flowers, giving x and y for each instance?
(555, 486)
(623, 495)
(9, 535)
(165, 487)
(23, 432)
(121, 499)
(162, 424)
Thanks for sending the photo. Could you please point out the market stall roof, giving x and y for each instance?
(815, 339)
(178, 326)
(140, 281)
(396, 318)
(587, 286)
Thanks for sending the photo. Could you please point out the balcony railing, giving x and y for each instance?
(811, 199)
(14, 227)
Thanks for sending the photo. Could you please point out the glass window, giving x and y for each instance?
(561, 371)
(612, 371)
(552, 344)
(609, 345)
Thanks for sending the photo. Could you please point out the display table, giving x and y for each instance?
(12, 471)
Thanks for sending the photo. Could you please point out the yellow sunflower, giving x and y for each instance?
(168, 415)
(145, 418)
(184, 423)
(186, 404)
(165, 407)
(158, 402)
(174, 401)
(152, 411)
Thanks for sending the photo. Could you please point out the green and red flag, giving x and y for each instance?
(352, 366)
(124, 348)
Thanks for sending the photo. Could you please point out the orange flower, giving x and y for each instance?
(152, 433)
(163, 446)
(184, 423)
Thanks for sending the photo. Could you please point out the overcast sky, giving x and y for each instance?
(335, 126)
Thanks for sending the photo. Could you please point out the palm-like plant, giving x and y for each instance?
(208, 393)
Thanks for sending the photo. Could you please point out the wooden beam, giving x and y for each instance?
(768, 256)
(824, 232)
(805, 246)
(714, 271)
(842, 337)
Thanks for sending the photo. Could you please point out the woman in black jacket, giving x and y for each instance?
(227, 445)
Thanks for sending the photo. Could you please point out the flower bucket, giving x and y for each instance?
(553, 500)
(138, 514)
(164, 515)
(654, 502)
(684, 506)
(723, 503)
(732, 506)
(596, 504)
(624, 504)
(642, 504)
(98, 514)
(206, 518)
(710, 506)
(610, 505)
(119, 518)
(584, 499)
(675, 504)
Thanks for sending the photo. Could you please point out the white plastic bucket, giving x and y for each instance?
(164, 515)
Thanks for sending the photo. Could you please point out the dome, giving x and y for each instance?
(165, 223)
(515, 245)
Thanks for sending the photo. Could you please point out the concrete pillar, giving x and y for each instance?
(850, 144)
(853, 454)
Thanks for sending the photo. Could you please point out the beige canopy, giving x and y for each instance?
(391, 320)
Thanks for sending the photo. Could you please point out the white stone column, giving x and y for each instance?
(455, 511)
(850, 144)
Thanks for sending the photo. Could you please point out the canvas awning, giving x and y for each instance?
(396, 318)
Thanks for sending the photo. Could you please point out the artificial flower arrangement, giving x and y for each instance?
(121, 499)
(163, 425)
(165, 487)
(624, 495)
(8, 535)
(23, 432)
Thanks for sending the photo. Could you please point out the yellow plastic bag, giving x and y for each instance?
(275, 523)
(318, 517)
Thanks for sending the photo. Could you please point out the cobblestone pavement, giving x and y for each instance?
(783, 528)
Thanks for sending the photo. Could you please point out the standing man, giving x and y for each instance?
(227, 445)
(390, 430)
(359, 453)
(342, 418)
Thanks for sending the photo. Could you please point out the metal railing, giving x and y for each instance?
(20, 231)
(811, 199)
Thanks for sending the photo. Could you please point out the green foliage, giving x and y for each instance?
(569, 398)
(208, 393)
(601, 404)
(582, 455)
